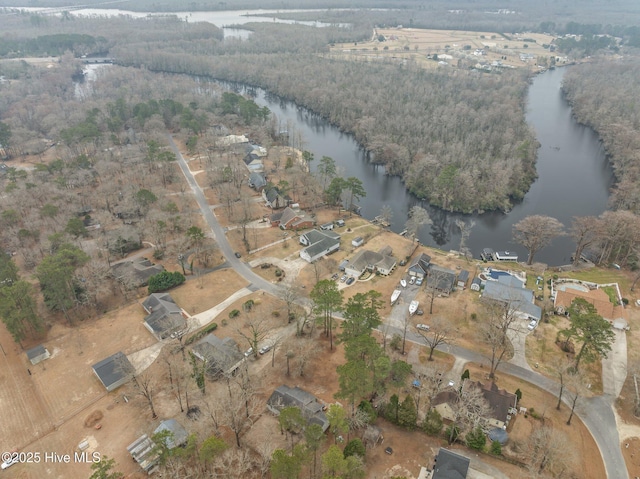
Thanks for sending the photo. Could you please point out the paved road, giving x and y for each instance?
(596, 413)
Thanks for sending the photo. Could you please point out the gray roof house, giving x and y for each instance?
(311, 408)
(221, 355)
(257, 181)
(419, 266)
(253, 162)
(273, 199)
(442, 279)
(508, 289)
(164, 316)
(136, 272)
(449, 465)
(38, 354)
(367, 260)
(113, 371)
(320, 243)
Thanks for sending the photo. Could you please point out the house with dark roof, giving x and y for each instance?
(165, 317)
(113, 371)
(311, 408)
(274, 199)
(319, 244)
(135, 273)
(257, 180)
(449, 465)
(367, 260)
(291, 219)
(441, 279)
(222, 356)
(510, 290)
(501, 403)
(37, 354)
(419, 266)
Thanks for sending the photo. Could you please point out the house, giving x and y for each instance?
(510, 290)
(164, 317)
(135, 273)
(463, 277)
(357, 241)
(253, 162)
(179, 435)
(222, 356)
(449, 465)
(232, 140)
(37, 354)
(291, 219)
(501, 403)
(476, 283)
(257, 180)
(596, 297)
(311, 408)
(319, 244)
(419, 266)
(273, 199)
(327, 226)
(372, 261)
(113, 371)
(441, 279)
(444, 403)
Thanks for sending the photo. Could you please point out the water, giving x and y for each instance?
(574, 177)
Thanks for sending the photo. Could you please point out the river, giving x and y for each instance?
(574, 177)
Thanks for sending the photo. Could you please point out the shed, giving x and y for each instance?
(113, 371)
(37, 354)
(340, 223)
(327, 226)
(476, 283)
(463, 277)
(179, 434)
(357, 241)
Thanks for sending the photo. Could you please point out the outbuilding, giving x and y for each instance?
(38, 354)
(463, 277)
(113, 371)
(357, 241)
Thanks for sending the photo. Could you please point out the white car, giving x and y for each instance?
(412, 280)
(265, 349)
(532, 325)
(422, 327)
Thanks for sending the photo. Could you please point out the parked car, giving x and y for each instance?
(388, 450)
(238, 255)
(344, 278)
(423, 327)
(412, 280)
(419, 312)
(419, 281)
(351, 280)
(403, 262)
(264, 349)
(334, 276)
(532, 325)
(248, 352)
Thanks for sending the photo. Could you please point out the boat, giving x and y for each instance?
(413, 307)
(403, 283)
(395, 295)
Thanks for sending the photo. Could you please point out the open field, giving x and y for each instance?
(451, 46)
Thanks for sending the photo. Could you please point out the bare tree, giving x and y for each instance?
(256, 328)
(431, 378)
(439, 333)
(562, 369)
(535, 232)
(546, 453)
(465, 231)
(583, 232)
(418, 217)
(145, 385)
(469, 409)
(499, 319)
(575, 390)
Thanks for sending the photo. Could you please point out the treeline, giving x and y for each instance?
(49, 45)
(601, 95)
(458, 139)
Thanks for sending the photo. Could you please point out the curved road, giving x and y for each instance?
(596, 413)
